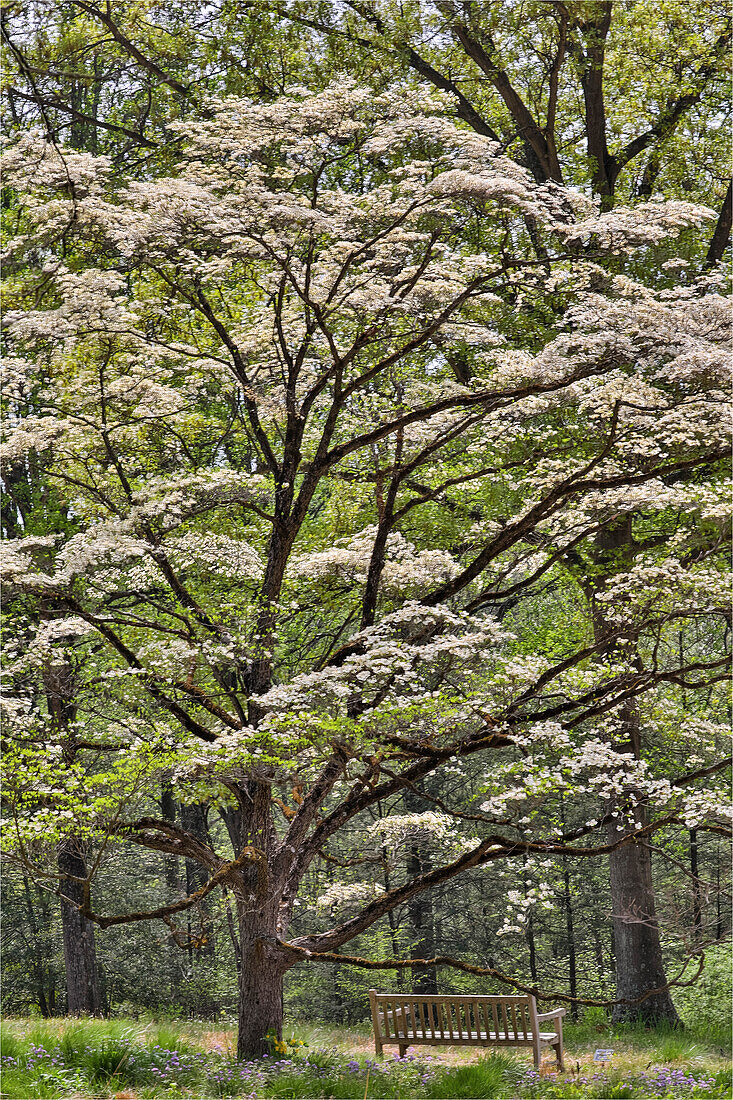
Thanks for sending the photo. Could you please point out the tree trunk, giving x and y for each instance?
(721, 236)
(639, 963)
(260, 993)
(170, 863)
(570, 927)
(420, 907)
(37, 953)
(719, 921)
(637, 946)
(80, 956)
(696, 890)
(529, 935)
(263, 964)
(193, 820)
(400, 975)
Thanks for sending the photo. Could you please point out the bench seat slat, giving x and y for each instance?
(420, 1036)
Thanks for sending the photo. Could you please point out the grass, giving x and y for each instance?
(84, 1059)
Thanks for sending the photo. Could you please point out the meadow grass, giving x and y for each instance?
(85, 1059)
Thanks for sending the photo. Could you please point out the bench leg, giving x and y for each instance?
(536, 1054)
(558, 1047)
(378, 1048)
(403, 1050)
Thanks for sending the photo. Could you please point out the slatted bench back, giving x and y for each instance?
(410, 1018)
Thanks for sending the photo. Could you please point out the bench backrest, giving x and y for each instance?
(396, 1015)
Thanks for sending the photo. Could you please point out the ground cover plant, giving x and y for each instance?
(108, 1058)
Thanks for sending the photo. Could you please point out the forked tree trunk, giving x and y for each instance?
(639, 962)
(80, 956)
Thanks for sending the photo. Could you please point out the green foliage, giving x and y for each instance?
(705, 1006)
(39, 1084)
(93, 1058)
(488, 1076)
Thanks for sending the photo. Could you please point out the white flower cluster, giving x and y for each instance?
(56, 633)
(428, 826)
(625, 226)
(521, 903)
(216, 553)
(405, 568)
(110, 546)
(347, 895)
(662, 585)
(701, 806)
(396, 653)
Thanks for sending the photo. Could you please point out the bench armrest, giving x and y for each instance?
(542, 1016)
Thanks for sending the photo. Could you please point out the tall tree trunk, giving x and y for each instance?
(193, 819)
(696, 889)
(400, 975)
(639, 962)
(721, 236)
(37, 953)
(529, 936)
(263, 964)
(80, 957)
(170, 863)
(420, 907)
(637, 945)
(570, 926)
(719, 921)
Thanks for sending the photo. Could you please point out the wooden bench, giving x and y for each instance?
(411, 1019)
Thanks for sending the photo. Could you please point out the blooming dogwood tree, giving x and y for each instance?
(316, 407)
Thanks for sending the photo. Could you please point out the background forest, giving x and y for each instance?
(365, 507)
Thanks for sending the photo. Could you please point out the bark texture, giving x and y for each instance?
(260, 994)
(637, 944)
(639, 962)
(260, 920)
(721, 235)
(420, 906)
(80, 956)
